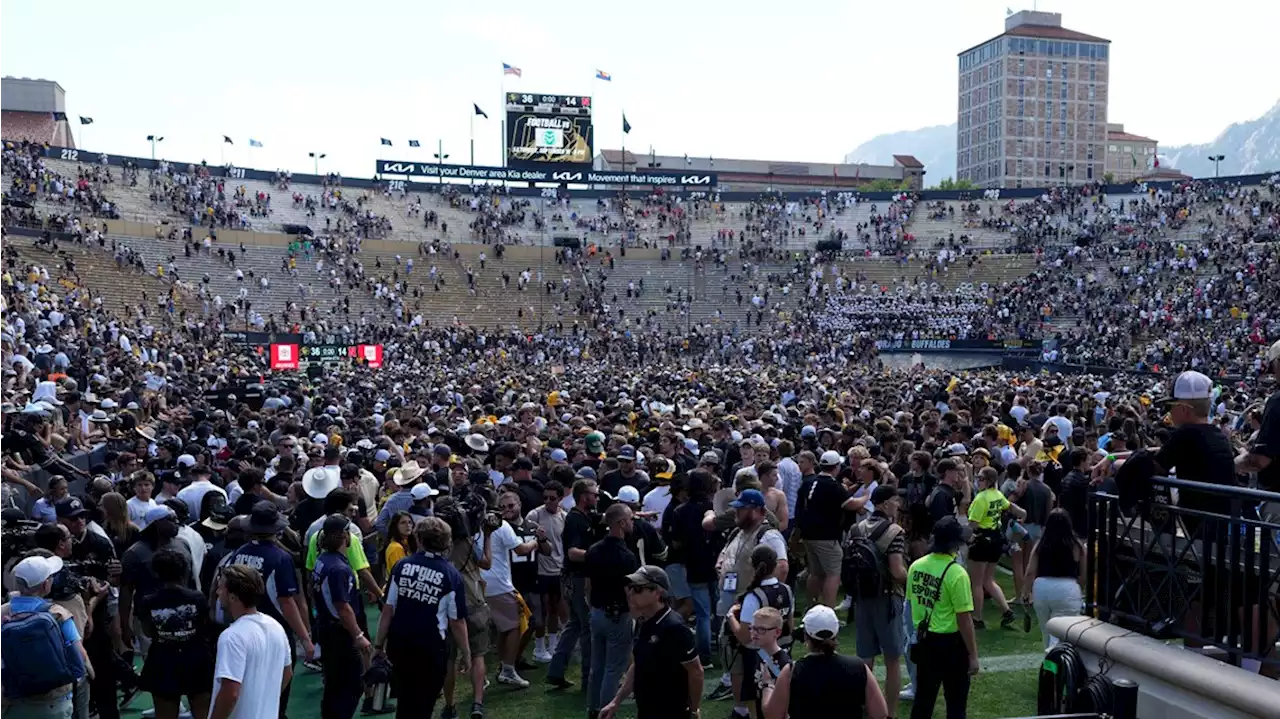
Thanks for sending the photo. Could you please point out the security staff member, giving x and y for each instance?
(424, 592)
(344, 645)
(665, 671)
(946, 656)
(986, 513)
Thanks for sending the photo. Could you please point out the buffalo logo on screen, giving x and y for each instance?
(566, 176)
(284, 356)
(695, 180)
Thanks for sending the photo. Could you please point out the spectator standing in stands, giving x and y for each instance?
(254, 666)
(425, 598)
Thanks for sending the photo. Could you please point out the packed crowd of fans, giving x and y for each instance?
(231, 517)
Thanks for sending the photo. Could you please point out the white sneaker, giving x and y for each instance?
(543, 657)
(843, 606)
(908, 694)
(510, 677)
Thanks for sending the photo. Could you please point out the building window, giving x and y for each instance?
(1090, 153)
(1093, 73)
(1021, 67)
(1048, 71)
(1063, 91)
(1091, 91)
(1128, 149)
(1093, 114)
(1112, 149)
(1063, 112)
(1088, 171)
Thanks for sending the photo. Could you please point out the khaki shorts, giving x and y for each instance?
(824, 557)
(505, 611)
(477, 633)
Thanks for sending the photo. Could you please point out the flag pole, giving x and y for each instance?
(473, 140)
(503, 142)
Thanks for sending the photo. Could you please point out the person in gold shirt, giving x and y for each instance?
(401, 540)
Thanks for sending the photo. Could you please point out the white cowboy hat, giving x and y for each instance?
(318, 482)
(407, 473)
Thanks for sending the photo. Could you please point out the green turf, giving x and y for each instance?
(994, 695)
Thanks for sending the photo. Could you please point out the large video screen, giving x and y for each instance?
(545, 130)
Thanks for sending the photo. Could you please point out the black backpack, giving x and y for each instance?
(862, 569)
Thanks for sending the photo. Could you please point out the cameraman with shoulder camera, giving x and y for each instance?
(471, 523)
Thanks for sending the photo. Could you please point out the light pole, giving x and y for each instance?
(153, 139)
(1215, 159)
(440, 158)
(316, 157)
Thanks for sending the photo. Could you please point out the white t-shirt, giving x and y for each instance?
(253, 651)
(497, 578)
(193, 496)
(656, 501)
(138, 510)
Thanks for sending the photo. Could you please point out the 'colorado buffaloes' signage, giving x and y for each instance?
(511, 174)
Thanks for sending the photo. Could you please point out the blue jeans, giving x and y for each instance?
(701, 595)
(909, 629)
(576, 630)
(610, 652)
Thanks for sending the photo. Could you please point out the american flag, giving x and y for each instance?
(511, 70)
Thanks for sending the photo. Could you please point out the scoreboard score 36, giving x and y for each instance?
(548, 130)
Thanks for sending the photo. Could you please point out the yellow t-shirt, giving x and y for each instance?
(395, 552)
(940, 598)
(986, 508)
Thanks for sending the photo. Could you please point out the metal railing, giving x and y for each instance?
(1176, 571)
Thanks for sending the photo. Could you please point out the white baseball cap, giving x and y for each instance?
(34, 570)
(821, 622)
(422, 490)
(831, 458)
(629, 494)
(186, 460)
(1189, 385)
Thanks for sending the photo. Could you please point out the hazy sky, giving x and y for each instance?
(806, 80)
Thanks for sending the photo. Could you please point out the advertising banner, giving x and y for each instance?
(576, 176)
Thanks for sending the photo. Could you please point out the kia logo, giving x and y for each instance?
(695, 180)
(398, 168)
(566, 176)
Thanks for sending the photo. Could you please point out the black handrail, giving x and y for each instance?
(1173, 571)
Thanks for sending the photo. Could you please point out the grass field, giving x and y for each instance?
(1005, 688)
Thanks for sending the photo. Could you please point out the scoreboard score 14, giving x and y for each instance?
(548, 130)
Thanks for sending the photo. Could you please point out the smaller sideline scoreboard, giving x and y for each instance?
(549, 131)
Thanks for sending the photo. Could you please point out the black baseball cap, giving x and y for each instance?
(650, 575)
(69, 508)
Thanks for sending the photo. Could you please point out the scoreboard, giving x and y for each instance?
(548, 131)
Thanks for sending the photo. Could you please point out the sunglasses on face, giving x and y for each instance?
(761, 630)
(638, 588)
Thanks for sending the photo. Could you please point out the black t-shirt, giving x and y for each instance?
(690, 542)
(1268, 444)
(1200, 453)
(942, 502)
(578, 534)
(662, 646)
(608, 563)
(524, 570)
(654, 549)
(820, 508)
(95, 551)
(175, 614)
